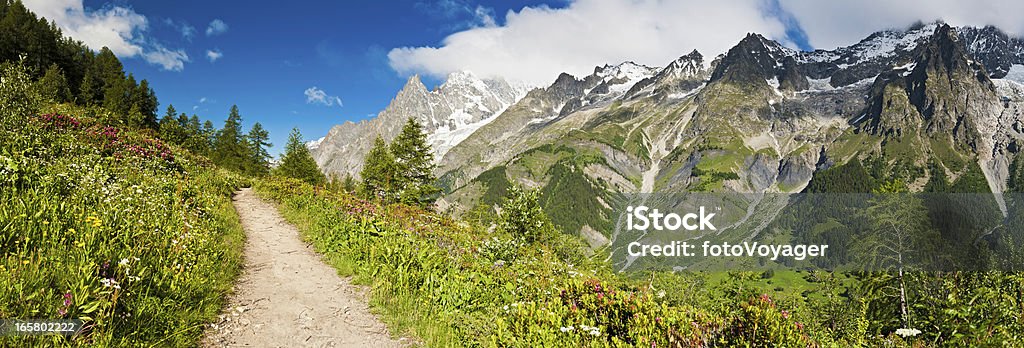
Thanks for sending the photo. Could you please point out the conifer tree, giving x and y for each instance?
(53, 86)
(169, 129)
(415, 165)
(380, 173)
(298, 163)
(230, 151)
(258, 141)
(348, 183)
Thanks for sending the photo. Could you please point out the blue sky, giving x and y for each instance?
(314, 64)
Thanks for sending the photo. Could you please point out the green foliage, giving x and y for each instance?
(496, 181)
(53, 86)
(850, 177)
(18, 98)
(170, 129)
(298, 163)
(572, 200)
(937, 180)
(971, 181)
(522, 217)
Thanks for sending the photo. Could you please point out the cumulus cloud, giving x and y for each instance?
(536, 43)
(118, 28)
(167, 59)
(216, 27)
(315, 95)
(214, 55)
(830, 24)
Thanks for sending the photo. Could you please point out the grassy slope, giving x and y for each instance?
(83, 206)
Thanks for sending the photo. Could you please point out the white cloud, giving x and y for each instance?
(202, 100)
(216, 27)
(830, 24)
(214, 55)
(315, 95)
(537, 43)
(118, 28)
(172, 60)
(113, 27)
(187, 31)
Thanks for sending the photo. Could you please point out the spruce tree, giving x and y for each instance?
(229, 148)
(258, 141)
(415, 165)
(298, 163)
(53, 86)
(348, 183)
(169, 128)
(380, 173)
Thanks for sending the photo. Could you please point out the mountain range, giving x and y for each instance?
(925, 103)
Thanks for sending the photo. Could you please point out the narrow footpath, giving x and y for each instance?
(287, 296)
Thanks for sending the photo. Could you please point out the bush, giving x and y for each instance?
(522, 217)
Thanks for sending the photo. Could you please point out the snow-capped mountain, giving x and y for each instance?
(449, 113)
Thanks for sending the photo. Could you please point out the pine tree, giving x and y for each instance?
(170, 131)
(348, 183)
(89, 92)
(53, 86)
(380, 173)
(209, 134)
(258, 141)
(197, 141)
(145, 99)
(230, 150)
(415, 165)
(298, 163)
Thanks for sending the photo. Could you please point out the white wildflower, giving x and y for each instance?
(566, 328)
(908, 332)
(110, 283)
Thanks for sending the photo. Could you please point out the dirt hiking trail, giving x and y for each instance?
(287, 296)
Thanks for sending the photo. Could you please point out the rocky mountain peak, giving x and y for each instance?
(757, 60)
(941, 92)
(681, 75)
(414, 85)
(996, 50)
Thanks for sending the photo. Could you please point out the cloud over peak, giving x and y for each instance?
(536, 43)
(831, 24)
